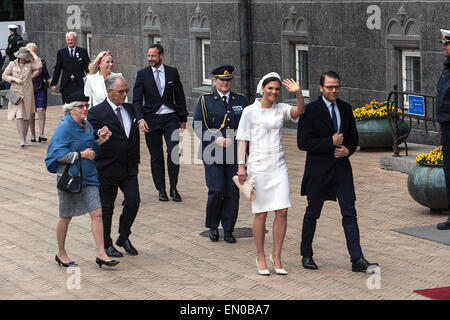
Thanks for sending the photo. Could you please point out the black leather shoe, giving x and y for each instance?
(444, 225)
(308, 263)
(66, 265)
(163, 196)
(214, 235)
(362, 265)
(126, 244)
(112, 252)
(229, 237)
(174, 194)
(110, 263)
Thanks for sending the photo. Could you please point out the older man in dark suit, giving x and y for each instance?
(163, 112)
(117, 161)
(73, 62)
(327, 131)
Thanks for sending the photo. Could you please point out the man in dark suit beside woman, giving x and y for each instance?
(327, 131)
(117, 162)
(73, 62)
(162, 114)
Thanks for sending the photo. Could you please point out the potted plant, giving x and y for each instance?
(426, 181)
(373, 126)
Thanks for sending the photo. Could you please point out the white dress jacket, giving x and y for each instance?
(95, 88)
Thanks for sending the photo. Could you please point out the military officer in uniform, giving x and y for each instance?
(15, 41)
(216, 120)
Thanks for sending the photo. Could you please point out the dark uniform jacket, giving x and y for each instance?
(173, 96)
(214, 115)
(324, 172)
(78, 67)
(14, 43)
(443, 94)
(119, 154)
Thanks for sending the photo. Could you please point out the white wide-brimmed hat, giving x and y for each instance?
(23, 53)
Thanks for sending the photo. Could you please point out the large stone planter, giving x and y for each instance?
(376, 133)
(426, 185)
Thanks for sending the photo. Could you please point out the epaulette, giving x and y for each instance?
(205, 94)
(239, 94)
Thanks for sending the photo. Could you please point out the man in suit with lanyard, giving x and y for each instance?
(117, 162)
(73, 62)
(327, 131)
(162, 114)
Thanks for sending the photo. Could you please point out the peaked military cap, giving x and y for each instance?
(223, 72)
(445, 36)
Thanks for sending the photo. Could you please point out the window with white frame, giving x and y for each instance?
(156, 40)
(89, 43)
(411, 80)
(301, 67)
(411, 70)
(206, 61)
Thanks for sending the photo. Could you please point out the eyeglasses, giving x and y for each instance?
(122, 91)
(337, 88)
(82, 106)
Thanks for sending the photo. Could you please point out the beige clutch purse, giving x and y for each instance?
(247, 188)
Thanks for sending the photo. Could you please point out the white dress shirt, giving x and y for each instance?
(125, 116)
(336, 109)
(227, 95)
(162, 79)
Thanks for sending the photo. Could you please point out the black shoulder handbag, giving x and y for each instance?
(70, 183)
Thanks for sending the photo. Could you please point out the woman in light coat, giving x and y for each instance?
(19, 74)
(99, 70)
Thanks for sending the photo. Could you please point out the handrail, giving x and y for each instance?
(394, 116)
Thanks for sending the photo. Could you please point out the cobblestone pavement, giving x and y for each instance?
(176, 262)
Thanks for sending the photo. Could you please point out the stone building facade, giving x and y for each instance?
(373, 45)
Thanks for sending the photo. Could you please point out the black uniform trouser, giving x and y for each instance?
(223, 196)
(159, 126)
(108, 193)
(446, 155)
(349, 222)
(70, 88)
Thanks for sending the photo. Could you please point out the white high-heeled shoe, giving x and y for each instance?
(281, 271)
(263, 272)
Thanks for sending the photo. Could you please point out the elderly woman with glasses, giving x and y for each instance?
(99, 70)
(73, 143)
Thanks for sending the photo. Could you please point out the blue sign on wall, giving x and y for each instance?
(416, 105)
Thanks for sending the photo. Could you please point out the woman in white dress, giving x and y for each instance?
(261, 125)
(102, 67)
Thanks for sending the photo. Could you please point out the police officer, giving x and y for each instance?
(14, 42)
(216, 120)
(443, 115)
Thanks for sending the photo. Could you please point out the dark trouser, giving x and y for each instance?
(159, 126)
(446, 154)
(108, 192)
(223, 196)
(70, 88)
(349, 222)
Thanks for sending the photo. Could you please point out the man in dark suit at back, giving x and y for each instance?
(117, 161)
(162, 114)
(327, 131)
(73, 62)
